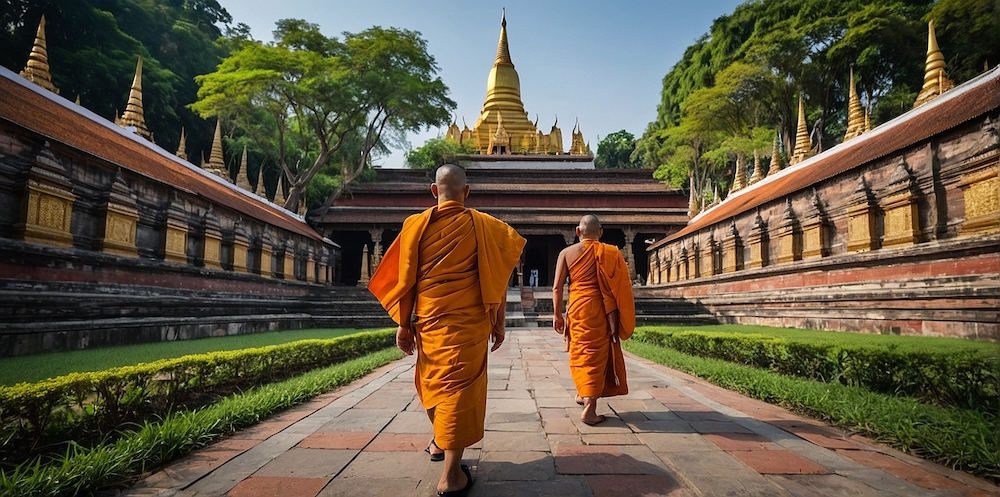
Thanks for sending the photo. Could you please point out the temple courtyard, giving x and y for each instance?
(673, 435)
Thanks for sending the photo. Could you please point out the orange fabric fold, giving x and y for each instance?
(459, 261)
(596, 289)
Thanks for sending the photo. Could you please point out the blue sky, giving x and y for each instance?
(599, 62)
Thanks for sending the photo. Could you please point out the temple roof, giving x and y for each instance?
(33, 108)
(963, 103)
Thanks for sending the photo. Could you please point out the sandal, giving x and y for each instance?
(462, 492)
(435, 457)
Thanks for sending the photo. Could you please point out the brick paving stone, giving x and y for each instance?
(508, 394)
(399, 442)
(497, 441)
(308, 463)
(607, 459)
(516, 466)
(376, 465)
(363, 420)
(778, 462)
(717, 427)
(187, 470)
(824, 437)
(740, 441)
(513, 421)
(676, 442)
(912, 474)
(822, 486)
(560, 486)
(274, 486)
(512, 405)
(352, 487)
(561, 401)
(564, 426)
(409, 422)
(718, 473)
(337, 440)
(610, 439)
(644, 485)
(661, 426)
(555, 440)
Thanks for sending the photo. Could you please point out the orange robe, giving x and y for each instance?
(599, 284)
(459, 260)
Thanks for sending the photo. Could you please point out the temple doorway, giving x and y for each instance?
(540, 254)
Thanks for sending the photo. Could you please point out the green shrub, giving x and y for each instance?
(97, 403)
(959, 438)
(967, 379)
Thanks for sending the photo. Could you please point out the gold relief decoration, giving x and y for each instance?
(789, 237)
(814, 235)
(213, 250)
(900, 206)
(240, 249)
(48, 215)
(119, 231)
(289, 267)
(980, 186)
(861, 220)
(757, 242)
(732, 251)
(266, 260)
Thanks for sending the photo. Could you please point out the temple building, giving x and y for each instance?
(520, 175)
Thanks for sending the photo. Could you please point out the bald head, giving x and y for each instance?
(590, 227)
(450, 183)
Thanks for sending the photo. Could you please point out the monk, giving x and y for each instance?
(601, 313)
(444, 282)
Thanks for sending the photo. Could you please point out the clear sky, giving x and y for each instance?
(601, 62)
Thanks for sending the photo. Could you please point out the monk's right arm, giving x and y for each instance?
(558, 323)
(405, 338)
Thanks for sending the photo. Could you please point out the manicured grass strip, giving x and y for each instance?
(959, 438)
(38, 367)
(156, 443)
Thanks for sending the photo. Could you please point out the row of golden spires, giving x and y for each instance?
(936, 82)
(37, 71)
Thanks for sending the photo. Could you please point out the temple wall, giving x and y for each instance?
(93, 252)
(908, 243)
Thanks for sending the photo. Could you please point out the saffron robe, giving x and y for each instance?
(599, 284)
(459, 261)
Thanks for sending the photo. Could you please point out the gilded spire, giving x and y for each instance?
(758, 170)
(180, 148)
(216, 163)
(503, 51)
(775, 157)
(740, 178)
(243, 175)
(801, 151)
(855, 115)
(936, 81)
(693, 209)
(37, 68)
(133, 115)
(577, 145)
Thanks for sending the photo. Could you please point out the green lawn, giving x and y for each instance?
(42, 366)
(903, 343)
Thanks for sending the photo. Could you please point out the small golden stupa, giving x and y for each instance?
(37, 68)
(936, 80)
(133, 115)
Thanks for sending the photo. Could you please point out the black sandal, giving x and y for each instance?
(463, 491)
(434, 457)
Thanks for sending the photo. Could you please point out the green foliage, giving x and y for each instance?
(59, 408)
(436, 152)
(746, 74)
(615, 151)
(83, 470)
(959, 438)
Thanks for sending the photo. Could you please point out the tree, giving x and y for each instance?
(615, 151)
(301, 96)
(436, 152)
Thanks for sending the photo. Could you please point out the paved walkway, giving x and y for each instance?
(673, 435)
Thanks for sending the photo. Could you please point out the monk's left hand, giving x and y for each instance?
(498, 336)
(405, 340)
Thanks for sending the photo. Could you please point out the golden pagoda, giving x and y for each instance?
(133, 115)
(693, 208)
(555, 139)
(855, 115)
(216, 163)
(802, 150)
(181, 152)
(936, 81)
(500, 143)
(467, 134)
(740, 178)
(758, 170)
(37, 68)
(775, 157)
(243, 174)
(453, 133)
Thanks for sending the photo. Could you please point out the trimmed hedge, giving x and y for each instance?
(969, 380)
(959, 438)
(102, 401)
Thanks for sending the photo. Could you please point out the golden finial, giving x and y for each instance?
(216, 162)
(740, 178)
(279, 198)
(503, 51)
(801, 151)
(555, 138)
(775, 157)
(855, 115)
(693, 209)
(243, 175)
(715, 196)
(577, 145)
(868, 121)
(77, 99)
(180, 148)
(37, 68)
(936, 81)
(133, 115)
(758, 170)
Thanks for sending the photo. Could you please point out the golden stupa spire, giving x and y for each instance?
(855, 115)
(775, 157)
(37, 68)
(740, 178)
(936, 81)
(693, 208)
(758, 170)
(503, 95)
(801, 151)
(503, 51)
(216, 163)
(133, 115)
(180, 148)
(243, 175)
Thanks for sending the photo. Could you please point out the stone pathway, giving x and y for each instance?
(674, 435)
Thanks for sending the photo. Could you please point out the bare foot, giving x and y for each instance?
(579, 400)
(591, 421)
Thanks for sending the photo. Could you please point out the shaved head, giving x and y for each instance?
(451, 182)
(590, 227)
